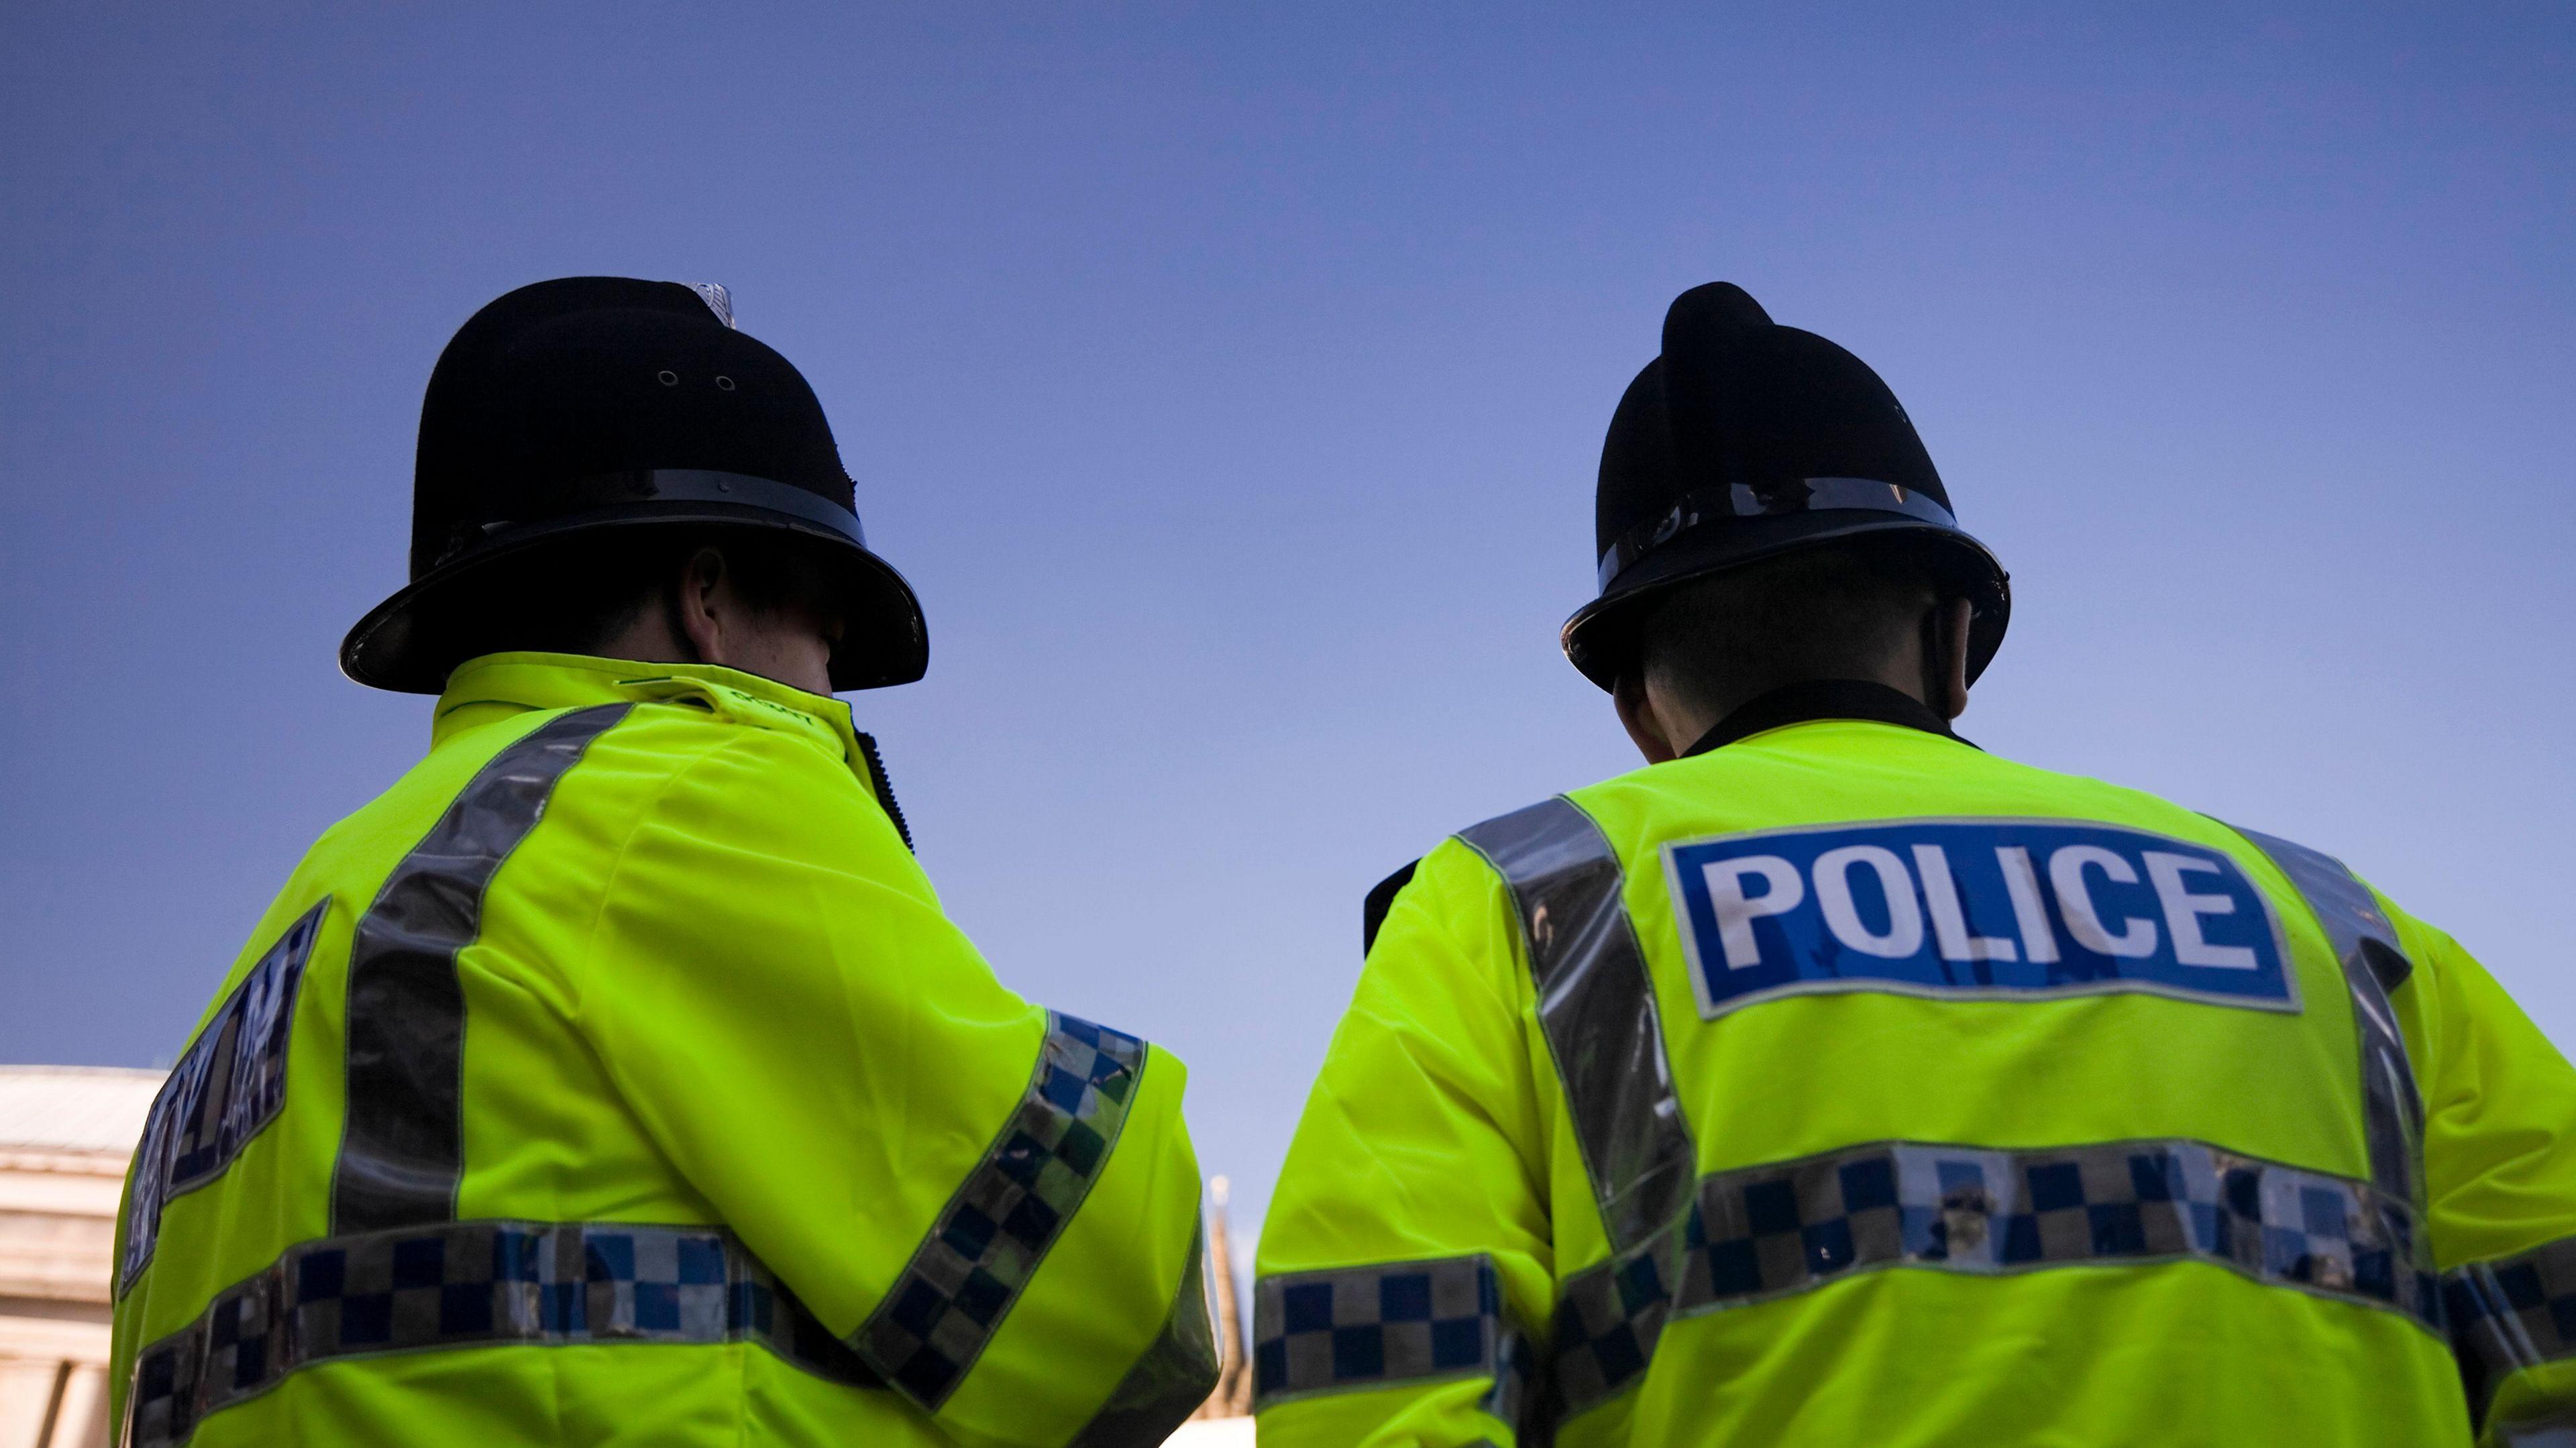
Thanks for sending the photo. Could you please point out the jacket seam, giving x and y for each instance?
(644, 813)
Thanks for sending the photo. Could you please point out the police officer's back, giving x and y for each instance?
(1830, 1082)
(615, 1076)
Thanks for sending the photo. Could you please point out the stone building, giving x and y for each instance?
(65, 1135)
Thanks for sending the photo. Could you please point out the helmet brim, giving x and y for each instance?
(1601, 638)
(400, 645)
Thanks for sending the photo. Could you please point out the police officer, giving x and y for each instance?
(1830, 1082)
(615, 1076)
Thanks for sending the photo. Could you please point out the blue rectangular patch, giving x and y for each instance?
(2000, 909)
(225, 1090)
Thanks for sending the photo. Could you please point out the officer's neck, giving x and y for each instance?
(1666, 728)
(707, 618)
(1925, 691)
(1811, 700)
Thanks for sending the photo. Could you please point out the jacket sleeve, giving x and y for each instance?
(993, 1205)
(1407, 1250)
(2500, 1168)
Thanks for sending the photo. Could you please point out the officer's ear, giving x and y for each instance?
(702, 604)
(1637, 715)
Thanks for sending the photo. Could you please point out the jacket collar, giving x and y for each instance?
(1813, 699)
(497, 686)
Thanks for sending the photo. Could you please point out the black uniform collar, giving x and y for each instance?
(1814, 699)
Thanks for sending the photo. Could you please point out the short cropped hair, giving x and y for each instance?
(579, 595)
(1826, 613)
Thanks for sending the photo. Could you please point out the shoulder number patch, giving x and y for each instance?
(231, 1083)
(1993, 909)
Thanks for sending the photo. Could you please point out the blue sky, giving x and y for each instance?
(1230, 381)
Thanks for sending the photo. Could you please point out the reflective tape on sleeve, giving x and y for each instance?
(1596, 1006)
(402, 1149)
(1386, 1325)
(2509, 1314)
(989, 1240)
(2365, 946)
(1766, 1232)
(1175, 1375)
(471, 1284)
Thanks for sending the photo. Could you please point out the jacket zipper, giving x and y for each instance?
(884, 787)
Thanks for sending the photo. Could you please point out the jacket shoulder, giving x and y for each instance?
(682, 758)
(1477, 860)
(676, 758)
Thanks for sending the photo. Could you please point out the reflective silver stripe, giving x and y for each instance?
(1176, 1374)
(1596, 1005)
(2554, 1428)
(402, 1150)
(2509, 1314)
(2365, 945)
(1349, 1328)
(471, 1284)
(965, 1275)
(1775, 1230)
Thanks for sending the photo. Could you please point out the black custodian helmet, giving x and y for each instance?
(589, 403)
(1747, 440)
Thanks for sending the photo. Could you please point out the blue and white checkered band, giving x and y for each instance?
(471, 1284)
(1768, 500)
(965, 1275)
(2509, 1314)
(1770, 1231)
(223, 1092)
(1350, 1328)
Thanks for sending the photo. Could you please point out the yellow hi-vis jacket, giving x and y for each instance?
(615, 1078)
(1844, 1085)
